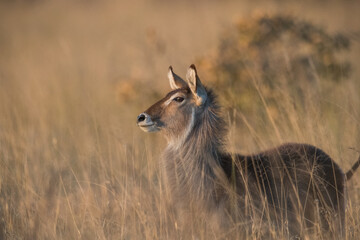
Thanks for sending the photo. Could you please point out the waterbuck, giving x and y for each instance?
(297, 188)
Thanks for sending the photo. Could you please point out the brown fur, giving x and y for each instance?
(298, 185)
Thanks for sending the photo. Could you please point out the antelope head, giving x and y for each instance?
(175, 114)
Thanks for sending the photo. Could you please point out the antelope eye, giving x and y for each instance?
(178, 99)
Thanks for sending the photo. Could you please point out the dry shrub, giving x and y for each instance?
(274, 52)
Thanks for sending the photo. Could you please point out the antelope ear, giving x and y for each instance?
(196, 86)
(175, 81)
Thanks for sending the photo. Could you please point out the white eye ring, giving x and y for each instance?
(178, 99)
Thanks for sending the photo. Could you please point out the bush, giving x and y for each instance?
(267, 53)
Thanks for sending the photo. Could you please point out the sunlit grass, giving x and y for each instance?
(73, 163)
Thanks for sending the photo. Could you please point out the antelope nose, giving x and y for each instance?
(141, 117)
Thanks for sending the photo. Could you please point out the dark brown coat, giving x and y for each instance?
(297, 187)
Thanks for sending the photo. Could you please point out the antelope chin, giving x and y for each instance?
(149, 127)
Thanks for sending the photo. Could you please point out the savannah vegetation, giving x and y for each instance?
(74, 76)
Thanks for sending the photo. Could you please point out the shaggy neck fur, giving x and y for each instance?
(192, 168)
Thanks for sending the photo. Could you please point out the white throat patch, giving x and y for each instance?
(178, 142)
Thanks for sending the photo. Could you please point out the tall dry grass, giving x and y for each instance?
(74, 76)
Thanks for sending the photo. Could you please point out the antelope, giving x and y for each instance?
(298, 185)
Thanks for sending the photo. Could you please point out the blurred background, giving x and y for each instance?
(74, 75)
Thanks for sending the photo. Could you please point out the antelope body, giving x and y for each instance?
(296, 185)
